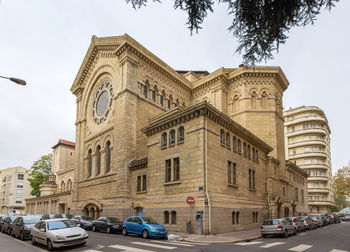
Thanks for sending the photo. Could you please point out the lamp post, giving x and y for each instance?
(15, 80)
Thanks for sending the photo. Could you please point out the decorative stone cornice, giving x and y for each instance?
(294, 168)
(178, 116)
(138, 164)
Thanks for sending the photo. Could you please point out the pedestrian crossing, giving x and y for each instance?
(298, 248)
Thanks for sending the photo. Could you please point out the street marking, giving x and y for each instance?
(300, 248)
(269, 245)
(129, 249)
(153, 245)
(174, 243)
(247, 243)
(338, 250)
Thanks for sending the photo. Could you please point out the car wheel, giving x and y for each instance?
(21, 236)
(49, 245)
(145, 234)
(285, 235)
(124, 232)
(12, 234)
(108, 230)
(93, 228)
(33, 240)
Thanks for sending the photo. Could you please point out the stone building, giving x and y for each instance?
(307, 135)
(14, 189)
(148, 137)
(55, 194)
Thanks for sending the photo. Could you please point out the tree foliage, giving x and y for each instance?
(39, 173)
(341, 181)
(260, 26)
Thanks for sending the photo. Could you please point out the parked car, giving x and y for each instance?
(47, 216)
(55, 233)
(107, 224)
(309, 222)
(283, 227)
(332, 219)
(6, 224)
(298, 224)
(145, 226)
(325, 219)
(84, 221)
(22, 225)
(346, 218)
(318, 221)
(63, 216)
(2, 217)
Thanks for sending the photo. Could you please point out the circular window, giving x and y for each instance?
(102, 103)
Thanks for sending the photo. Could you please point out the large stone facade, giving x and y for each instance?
(148, 137)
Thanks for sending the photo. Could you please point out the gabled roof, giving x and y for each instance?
(64, 142)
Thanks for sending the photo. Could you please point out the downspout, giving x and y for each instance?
(206, 172)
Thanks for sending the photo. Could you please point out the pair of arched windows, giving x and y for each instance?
(172, 137)
(98, 159)
(170, 218)
(235, 217)
(68, 187)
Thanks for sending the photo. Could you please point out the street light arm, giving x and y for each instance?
(15, 80)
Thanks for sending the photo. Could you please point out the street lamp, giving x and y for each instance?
(15, 80)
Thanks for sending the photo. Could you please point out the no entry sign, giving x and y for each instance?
(190, 200)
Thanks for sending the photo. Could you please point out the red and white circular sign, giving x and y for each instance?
(190, 200)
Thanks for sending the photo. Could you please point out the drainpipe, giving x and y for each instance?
(206, 172)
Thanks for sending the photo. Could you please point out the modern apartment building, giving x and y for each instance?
(307, 138)
(14, 189)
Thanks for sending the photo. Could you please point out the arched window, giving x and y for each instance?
(264, 100)
(172, 137)
(164, 140)
(222, 136)
(248, 151)
(253, 100)
(234, 143)
(239, 146)
(237, 217)
(173, 217)
(228, 140)
(69, 185)
(145, 91)
(180, 134)
(63, 187)
(98, 160)
(233, 217)
(108, 156)
(253, 153)
(257, 156)
(166, 217)
(90, 163)
(244, 149)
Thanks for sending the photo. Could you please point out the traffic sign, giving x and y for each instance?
(190, 200)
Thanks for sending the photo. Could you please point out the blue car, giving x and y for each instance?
(145, 226)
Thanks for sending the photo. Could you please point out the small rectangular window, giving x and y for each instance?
(229, 172)
(144, 188)
(168, 170)
(176, 169)
(139, 183)
(20, 176)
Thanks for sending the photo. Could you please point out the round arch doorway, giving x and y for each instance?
(92, 210)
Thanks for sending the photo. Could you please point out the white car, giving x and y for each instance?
(57, 233)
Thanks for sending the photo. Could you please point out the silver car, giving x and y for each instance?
(282, 227)
(57, 233)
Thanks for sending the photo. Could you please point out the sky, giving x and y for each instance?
(45, 41)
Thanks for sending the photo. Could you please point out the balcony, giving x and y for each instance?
(311, 142)
(314, 166)
(308, 154)
(320, 131)
(318, 190)
(302, 119)
(318, 178)
(320, 202)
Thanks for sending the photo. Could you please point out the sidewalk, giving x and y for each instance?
(239, 236)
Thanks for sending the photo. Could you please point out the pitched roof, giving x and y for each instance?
(64, 142)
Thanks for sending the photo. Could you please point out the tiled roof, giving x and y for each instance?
(64, 142)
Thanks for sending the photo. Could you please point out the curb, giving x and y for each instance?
(233, 241)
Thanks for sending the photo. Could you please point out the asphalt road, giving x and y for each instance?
(332, 238)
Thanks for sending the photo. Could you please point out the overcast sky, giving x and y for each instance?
(44, 42)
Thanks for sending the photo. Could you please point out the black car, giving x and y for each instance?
(6, 224)
(2, 217)
(62, 216)
(22, 225)
(107, 224)
(47, 216)
(84, 221)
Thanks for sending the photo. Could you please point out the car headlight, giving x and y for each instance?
(60, 237)
(26, 228)
(85, 234)
(153, 228)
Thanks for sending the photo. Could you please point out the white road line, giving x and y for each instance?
(300, 248)
(269, 245)
(153, 245)
(192, 243)
(247, 243)
(129, 249)
(173, 243)
(338, 250)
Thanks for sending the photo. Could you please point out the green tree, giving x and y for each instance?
(39, 173)
(340, 201)
(341, 181)
(260, 26)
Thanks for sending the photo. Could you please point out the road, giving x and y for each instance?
(332, 238)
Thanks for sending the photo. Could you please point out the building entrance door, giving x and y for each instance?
(61, 208)
(92, 210)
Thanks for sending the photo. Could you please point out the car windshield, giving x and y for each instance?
(13, 218)
(113, 220)
(270, 222)
(86, 218)
(149, 220)
(53, 225)
(30, 219)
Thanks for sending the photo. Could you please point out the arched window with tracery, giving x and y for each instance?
(172, 137)
(89, 163)
(164, 140)
(69, 185)
(98, 160)
(108, 156)
(181, 134)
